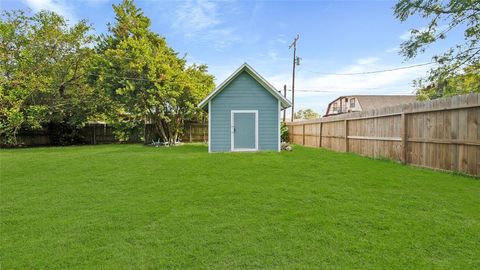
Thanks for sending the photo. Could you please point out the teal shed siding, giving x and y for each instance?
(244, 93)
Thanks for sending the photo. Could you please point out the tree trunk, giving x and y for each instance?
(158, 126)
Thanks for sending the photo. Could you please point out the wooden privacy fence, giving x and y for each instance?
(192, 132)
(441, 134)
(97, 133)
(195, 132)
(103, 133)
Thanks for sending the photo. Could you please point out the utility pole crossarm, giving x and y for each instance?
(294, 43)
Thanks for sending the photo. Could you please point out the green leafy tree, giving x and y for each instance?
(467, 82)
(43, 66)
(443, 17)
(306, 114)
(145, 79)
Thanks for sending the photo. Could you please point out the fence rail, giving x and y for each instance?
(441, 134)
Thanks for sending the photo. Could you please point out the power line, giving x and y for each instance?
(370, 72)
(327, 91)
(339, 91)
(334, 91)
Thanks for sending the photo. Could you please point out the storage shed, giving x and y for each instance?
(244, 113)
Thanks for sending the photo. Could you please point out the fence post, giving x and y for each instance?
(346, 135)
(94, 135)
(403, 135)
(320, 136)
(204, 133)
(190, 131)
(303, 134)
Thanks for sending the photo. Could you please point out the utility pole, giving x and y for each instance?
(295, 62)
(285, 96)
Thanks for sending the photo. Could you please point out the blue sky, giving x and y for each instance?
(335, 37)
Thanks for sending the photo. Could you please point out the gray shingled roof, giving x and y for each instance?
(370, 102)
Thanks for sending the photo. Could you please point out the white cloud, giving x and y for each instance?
(392, 49)
(58, 6)
(272, 55)
(405, 36)
(367, 61)
(281, 39)
(197, 15)
(200, 20)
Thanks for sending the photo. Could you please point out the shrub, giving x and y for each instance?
(284, 132)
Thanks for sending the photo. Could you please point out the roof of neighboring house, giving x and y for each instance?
(370, 102)
(285, 103)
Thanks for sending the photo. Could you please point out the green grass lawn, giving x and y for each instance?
(132, 206)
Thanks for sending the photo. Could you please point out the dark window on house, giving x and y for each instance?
(334, 107)
(352, 102)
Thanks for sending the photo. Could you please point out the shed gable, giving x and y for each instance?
(284, 103)
(244, 89)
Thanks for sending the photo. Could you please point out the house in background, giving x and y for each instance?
(357, 103)
(244, 113)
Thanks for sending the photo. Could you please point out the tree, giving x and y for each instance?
(443, 17)
(43, 66)
(145, 79)
(460, 84)
(306, 114)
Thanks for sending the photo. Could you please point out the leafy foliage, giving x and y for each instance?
(306, 114)
(444, 17)
(43, 67)
(464, 83)
(284, 132)
(145, 79)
